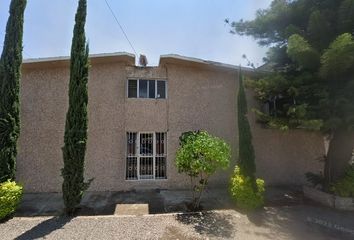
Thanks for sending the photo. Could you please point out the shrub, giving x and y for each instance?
(10, 197)
(242, 191)
(344, 187)
(199, 156)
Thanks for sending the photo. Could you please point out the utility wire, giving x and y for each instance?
(120, 26)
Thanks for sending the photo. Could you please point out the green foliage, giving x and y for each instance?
(269, 86)
(300, 51)
(304, 92)
(346, 16)
(312, 55)
(245, 189)
(76, 118)
(276, 16)
(199, 156)
(243, 192)
(10, 197)
(319, 28)
(202, 153)
(246, 160)
(344, 187)
(191, 135)
(339, 57)
(10, 74)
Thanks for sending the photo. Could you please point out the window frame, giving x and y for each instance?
(138, 86)
(139, 155)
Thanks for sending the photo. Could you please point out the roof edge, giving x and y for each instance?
(128, 57)
(175, 58)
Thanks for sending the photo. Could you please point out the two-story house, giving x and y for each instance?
(136, 115)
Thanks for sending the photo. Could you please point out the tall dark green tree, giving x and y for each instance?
(312, 55)
(246, 160)
(75, 137)
(10, 74)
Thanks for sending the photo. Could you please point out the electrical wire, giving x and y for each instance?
(120, 26)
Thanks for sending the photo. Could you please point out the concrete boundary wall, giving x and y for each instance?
(283, 157)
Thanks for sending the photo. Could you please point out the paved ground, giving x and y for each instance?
(104, 203)
(287, 216)
(293, 222)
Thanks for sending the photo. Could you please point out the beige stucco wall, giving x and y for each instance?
(202, 99)
(198, 97)
(43, 104)
(283, 157)
(194, 99)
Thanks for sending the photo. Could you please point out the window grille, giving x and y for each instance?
(146, 156)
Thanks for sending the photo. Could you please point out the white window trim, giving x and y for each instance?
(137, 150)
(156, 88)
(137, 88)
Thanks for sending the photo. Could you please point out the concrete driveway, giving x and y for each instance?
(293, 222)
(287, 216)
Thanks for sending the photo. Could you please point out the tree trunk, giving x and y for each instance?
(340, 150)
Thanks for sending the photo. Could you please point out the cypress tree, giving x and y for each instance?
(75, 137)
(10, 73)
(246, 152)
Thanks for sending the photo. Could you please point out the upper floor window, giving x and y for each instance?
(147, 89)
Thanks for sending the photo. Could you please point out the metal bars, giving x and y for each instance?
(132, 163)
(146, 155)
(160, 158)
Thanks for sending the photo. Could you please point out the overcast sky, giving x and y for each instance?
(193, 28)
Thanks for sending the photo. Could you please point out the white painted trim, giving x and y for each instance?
(154, 154)
(138, 156)
(147, 79)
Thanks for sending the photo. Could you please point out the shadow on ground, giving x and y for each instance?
(104, 203)
(44, 228)
(209, 223)
(303, 222)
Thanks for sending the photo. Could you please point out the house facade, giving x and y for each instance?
(136, 115)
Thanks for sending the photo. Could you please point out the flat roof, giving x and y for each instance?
(129, 59)
(94, 58)
(175, 58)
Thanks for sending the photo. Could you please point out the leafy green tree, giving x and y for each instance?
(246, 160)
(76, 118)
(346, 16)
(10, 74)
(199, 156)
(300, 51)
(245, 189)
(312, 83)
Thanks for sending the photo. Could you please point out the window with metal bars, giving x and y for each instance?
(146, 155)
